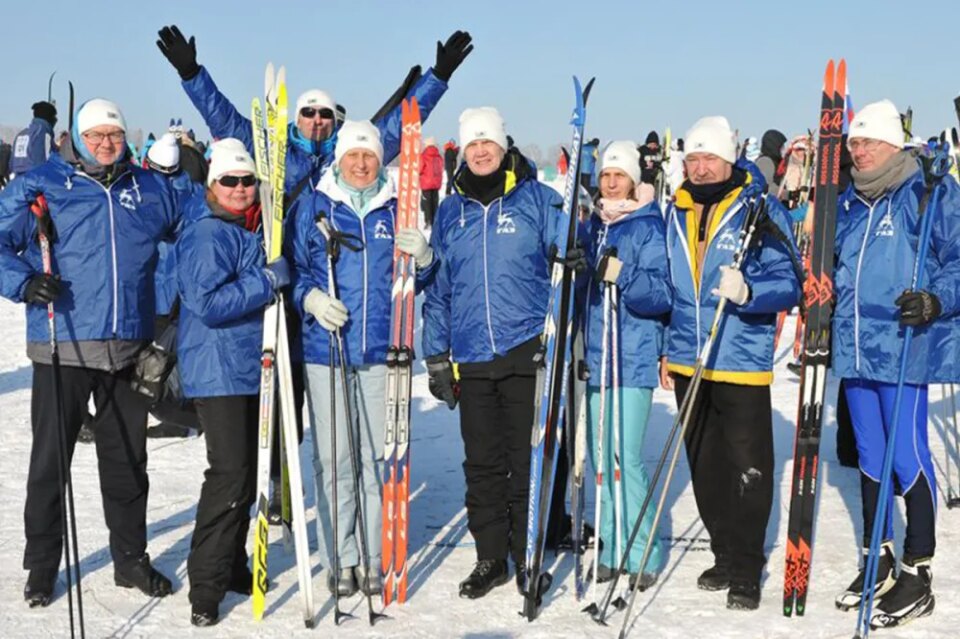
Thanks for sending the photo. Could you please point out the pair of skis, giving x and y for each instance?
(553, 375)
(396, 481)
(818, 300)
(270, 151)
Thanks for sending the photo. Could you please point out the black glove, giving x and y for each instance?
(452, 54)
(575, 258)
(442, 384)
(42, 289)
(918, 308)
(181, 54)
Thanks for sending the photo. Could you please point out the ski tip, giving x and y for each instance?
(840, 83)
(828, 78)
(586, 90)
(282, 76)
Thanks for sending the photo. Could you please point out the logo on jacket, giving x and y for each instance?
(381, 231)
(505, 223)
(727, 240)
(126, 200)
(885, 226)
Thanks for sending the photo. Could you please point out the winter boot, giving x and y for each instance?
(371, 584)
(486, 575)
(347, 585)
(744, 594)
(850, 598)
(40, 584)
(647, 579)
(605, 573)
(144, 577)
(910, 598)
(205, 613)
(716, 577)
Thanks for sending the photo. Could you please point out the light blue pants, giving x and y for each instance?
(367, 385)
(634, 484)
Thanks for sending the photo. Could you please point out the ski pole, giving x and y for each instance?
(601, 422)
(617, 453)
(71, 550)
(680, 423)
(880, 517)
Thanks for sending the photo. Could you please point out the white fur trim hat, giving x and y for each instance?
(878, 121)
(164, 154)
(358, 134)
(98, 111)
(229, 155)
(482, 123)
(316, 99)
(712, 134)
(623, 155)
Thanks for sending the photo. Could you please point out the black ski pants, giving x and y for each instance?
(429, 201)
(218, 546)
(729, 444)
(496, 415)
(121, 457)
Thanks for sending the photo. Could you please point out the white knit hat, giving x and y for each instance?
(358, 134)
(99, 111)
(878, 121)
(164, 154)
(316, 99)
(228, 155)
(482, 123)
(712, 134)
(623, 155)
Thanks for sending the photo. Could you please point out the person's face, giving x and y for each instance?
(105, 142)
(869, 154)
(315, 123)
(615, 184)
(359, 168)
(483, 157)
(235, 194)
(707, 168)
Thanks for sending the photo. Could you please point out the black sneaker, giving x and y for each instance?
(850, 598)
(144, 577)
(716, 577)
(910, 598)
(40, 584)
(743, 595)
(486, 575)
(346, 585)
(205, 613)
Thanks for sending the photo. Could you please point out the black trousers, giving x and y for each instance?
(429, 201)
(846, 441)
(729, 444)
(217, 549)
(121, 458)
(496, 415)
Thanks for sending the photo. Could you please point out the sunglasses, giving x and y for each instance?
(308, 112)
(231, 181)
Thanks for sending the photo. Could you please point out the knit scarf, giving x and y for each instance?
(612, 211)
(874, 183)
(360, 198)
(250, 216)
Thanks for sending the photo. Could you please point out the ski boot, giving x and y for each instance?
(717, 577)
(910, 598)
(205, 613)
(144, 577)
(346, 584)
(486, 575)
(40, 583)
(850, 598)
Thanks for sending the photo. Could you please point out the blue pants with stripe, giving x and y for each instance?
(871, 410)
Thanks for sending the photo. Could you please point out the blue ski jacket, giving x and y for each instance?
(165, 280)
(223, 290)
(32, 146)
(876, 250)
(304, 157)
(488, 288)
(646, 296)
(743, 350)
(364, 277)
(105, 249)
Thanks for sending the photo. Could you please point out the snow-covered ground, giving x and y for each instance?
(442, 550)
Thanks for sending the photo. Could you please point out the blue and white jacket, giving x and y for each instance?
(876, 250)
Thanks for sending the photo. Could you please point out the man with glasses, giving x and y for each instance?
(312, 137)
(104, 218)
(878, 223)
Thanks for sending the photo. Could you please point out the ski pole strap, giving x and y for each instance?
(934, 169)
(337, 239)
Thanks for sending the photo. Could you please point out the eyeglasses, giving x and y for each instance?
(231, 181)
(868, 145)
(308, 112)
(95, 138)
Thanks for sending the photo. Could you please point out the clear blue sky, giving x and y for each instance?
(657, 64)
